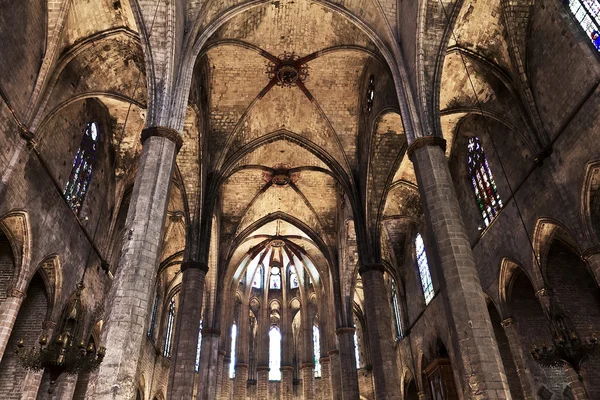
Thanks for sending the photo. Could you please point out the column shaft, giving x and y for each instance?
(516, 350)
(325, 388)
(185, 344)
(240, 382)
(477, 354)
(307, 372)
(379, 324)
(335, 374)
(219, 380)
(576, 385)
(8, 316)
(287, 385)
(348, 371)
(129, 300)
(262, 382)
(207, 372)
(225, 380)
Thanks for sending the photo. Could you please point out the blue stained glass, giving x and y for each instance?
(587, 14)
(484, 186)
(294, 283)
(424, 272)
(81, 172)
(275, 278)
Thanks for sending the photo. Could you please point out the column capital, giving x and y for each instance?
(241, 365)
(263, 368)
(194, 264)
(333, 352)
(507, 322)
(371, 267)
(307, 365)
(211, 332)
(162, 131)
(543, 292)
(324, 360)
(14, 292)
(222, 353)
(425, 141)
(344, 330)
(286, 368)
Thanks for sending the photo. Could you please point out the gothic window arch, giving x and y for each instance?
(275, 278)
(587, 14)
(274, 354)
(424, 272)
(169, 331)
(198, 348)
(258, 277)
(356, 350)
(317, 350)
(396, 310)
(83, 166)
(482, 180)
(152, 325)
(233, 344)
(293, 277)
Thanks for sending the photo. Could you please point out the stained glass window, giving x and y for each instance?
(587, 13)
(275, 278)
(396, 311)
(317, 350)
(258, 278)
(294, 283)
(424, 272)
(370, 94)
(356, 351)
(170, 324)
(274, 354)
(233, 342)
(83, 165)
(486, 192)
(152, 326)
(199, 347)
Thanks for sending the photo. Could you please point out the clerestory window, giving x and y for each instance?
(484, 186)
(424, 273)
(274, 354)
(83, 166)
(170, 326)
(587, 14)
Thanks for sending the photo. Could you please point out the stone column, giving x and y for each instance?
(65, 388)
(345, 336)
(225, 380)
(593, 260)
(378, 312)
(476, 350)
(577, 387)
(307, 371)
(207, 371)
(335, 374)
(516, 350)
(240, 382)
(8, 315)
(33, 379)
(325, 378)
(130, 298)
(220, 371)
(185, 342)
(262, 382)
(287, 384)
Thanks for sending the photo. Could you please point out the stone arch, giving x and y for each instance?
(16, 228)
(508, 270)
(545, 231)
(50, 269)
(590, 201)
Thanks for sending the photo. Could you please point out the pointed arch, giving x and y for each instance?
(50, 270)
(15, 225)
(590, 201)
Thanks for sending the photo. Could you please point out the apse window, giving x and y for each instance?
(294, 283)
(484, 186)
(169, 330)
(233, 343)
(317, 350)
(356, 351)
(258, 278)
(424, 273)
(274, 354)
(275, 278)
(370, 94)
(587, 14)
(83, 166)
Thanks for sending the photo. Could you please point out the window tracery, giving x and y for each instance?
(81, 172)
(169, 331)
(275, 278)
(317, 350)
(484, 186)
(294, 283)
(424, 272)
(274, 354)
(587, 14)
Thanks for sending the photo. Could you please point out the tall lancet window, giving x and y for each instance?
(152, 326)
(275, 278)
(233, 343)
(169, 331)
(258, 277)
(294, 283)
(486, 192)
(317, 350)
(83, 165)
(356, 351)
(198, 348)
(587, 13)
(424, 272)
(396, 311)
(274, 354)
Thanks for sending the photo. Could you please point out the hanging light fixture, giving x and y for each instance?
(67, 351)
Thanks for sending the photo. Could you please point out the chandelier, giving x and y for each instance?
(66, 352)
(567, 348)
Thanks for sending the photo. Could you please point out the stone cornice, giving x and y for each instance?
(194, 264)
(425, 141)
